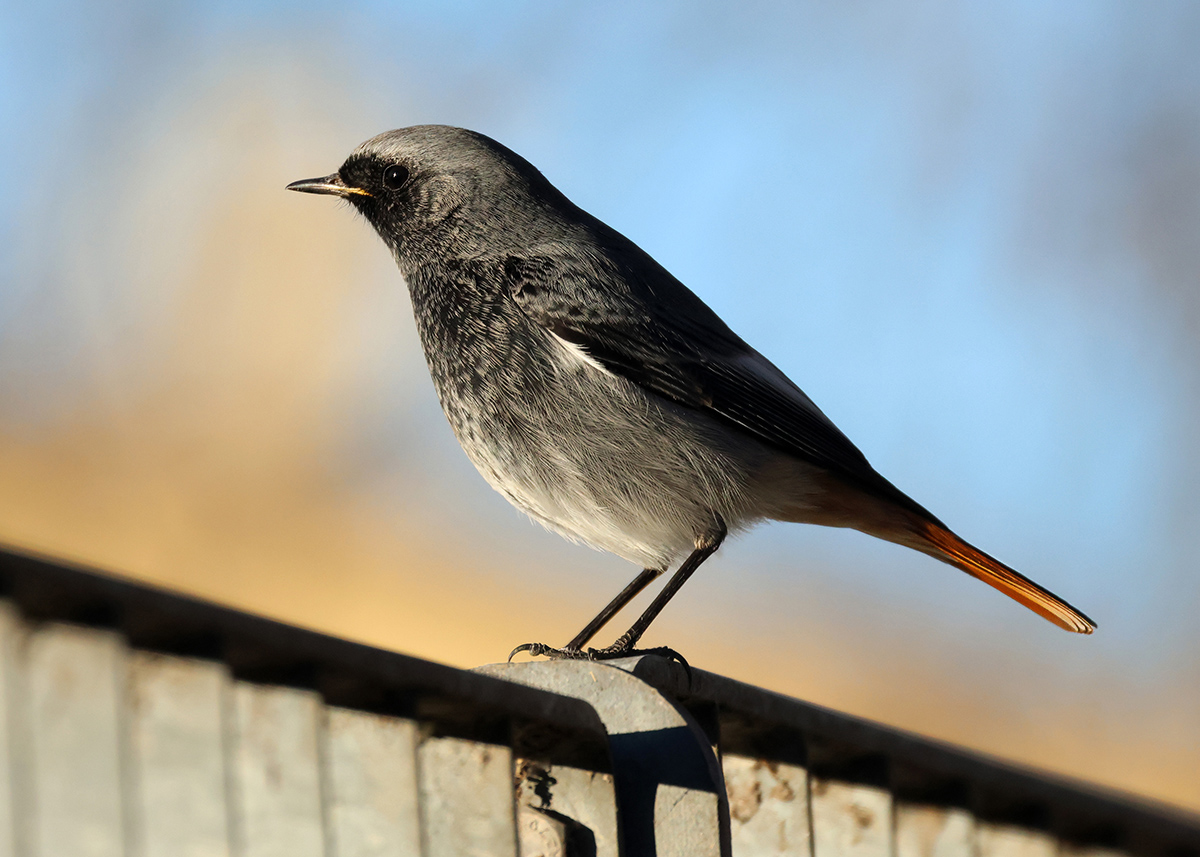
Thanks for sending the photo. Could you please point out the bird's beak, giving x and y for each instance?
(331, 184)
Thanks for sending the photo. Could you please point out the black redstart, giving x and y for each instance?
(601, 396)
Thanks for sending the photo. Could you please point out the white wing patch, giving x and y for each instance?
(572, 355)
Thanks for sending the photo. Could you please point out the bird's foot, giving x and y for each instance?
(542, 650)
(608, 653)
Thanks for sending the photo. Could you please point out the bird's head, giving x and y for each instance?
(436, 193)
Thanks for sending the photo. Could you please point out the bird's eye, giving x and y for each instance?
(394, 177)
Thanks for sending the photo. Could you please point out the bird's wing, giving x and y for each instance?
(639, 322)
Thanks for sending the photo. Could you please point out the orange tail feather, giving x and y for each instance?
(944, 545)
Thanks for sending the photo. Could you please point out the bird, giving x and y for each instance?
(600, 395)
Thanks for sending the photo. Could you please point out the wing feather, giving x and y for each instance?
(647, 327)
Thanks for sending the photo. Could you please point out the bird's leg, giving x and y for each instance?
(627, 594)
(575, 647)
(706, 546)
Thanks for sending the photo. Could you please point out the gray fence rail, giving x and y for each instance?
(137, 723)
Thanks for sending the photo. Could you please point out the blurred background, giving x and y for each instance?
(971, 232)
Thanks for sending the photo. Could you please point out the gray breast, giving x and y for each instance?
(586, 453)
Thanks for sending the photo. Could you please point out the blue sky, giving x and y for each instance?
(970, 232)
(850, 189)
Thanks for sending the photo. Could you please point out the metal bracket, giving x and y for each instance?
(669, 788)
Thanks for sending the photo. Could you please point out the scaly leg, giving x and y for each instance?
(706, 546)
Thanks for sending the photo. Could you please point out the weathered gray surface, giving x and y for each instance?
(1007, 840)
(850, 820)
(540, 833)
(568, 803)
(372, 803)
(768, 807)
(177, 740)
(106, 750)
(670, 790)
(467, 805)
(73, 680)
(934, 831)
(277, 772)
(10, 625)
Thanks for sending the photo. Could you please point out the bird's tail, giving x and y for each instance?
(937, 541)
(878, 508)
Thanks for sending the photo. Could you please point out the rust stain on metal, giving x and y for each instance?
(744, 800)
(863, 817)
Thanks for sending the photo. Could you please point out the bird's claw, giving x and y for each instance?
(606, 654)
(542, 650)
(661, 651)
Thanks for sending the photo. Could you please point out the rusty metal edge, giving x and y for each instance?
(1169, 827)
(52, 589)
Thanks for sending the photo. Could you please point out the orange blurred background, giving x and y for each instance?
(213, 385)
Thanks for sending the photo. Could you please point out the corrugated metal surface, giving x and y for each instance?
(135, 723)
